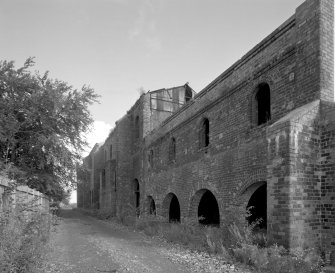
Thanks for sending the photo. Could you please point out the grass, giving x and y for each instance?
(236, 243)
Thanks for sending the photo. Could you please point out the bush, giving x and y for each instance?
(23, 239)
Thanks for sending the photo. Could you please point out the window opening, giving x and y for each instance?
(204, 133)
(137, 196)
(172, 149)
(263, 104)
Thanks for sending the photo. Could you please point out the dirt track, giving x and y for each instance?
(83, 244)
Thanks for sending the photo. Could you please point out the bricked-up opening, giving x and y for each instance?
(258, 207)
(172, 149)
(137, 196)
(137, 127)
(262, 104)
(208, 210)
(151, 206)
(204, 133)
(174, 210)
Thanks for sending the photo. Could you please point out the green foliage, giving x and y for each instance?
(41, 126)
(23, 239)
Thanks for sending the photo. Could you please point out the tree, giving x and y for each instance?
(42, 122)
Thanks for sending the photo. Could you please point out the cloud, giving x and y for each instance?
(99, 133)
(144, 27)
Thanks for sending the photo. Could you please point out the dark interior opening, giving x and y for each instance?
(205, 133)
(258, 210)
(174, 210)
(152, 207)
(172, 151)
(137, 197)
(263, 103)
(208, 210)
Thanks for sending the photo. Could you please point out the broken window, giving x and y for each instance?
(172, 150)
(188, 93)
(262, 104)
(204, 133)
(137, 127)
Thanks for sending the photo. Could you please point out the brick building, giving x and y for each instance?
(262, 134)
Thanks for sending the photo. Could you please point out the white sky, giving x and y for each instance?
(120, 46)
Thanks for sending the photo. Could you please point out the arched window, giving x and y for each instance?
(172, 149)
(262, 104)
(137, 127)
(204, 133)
(111, 152)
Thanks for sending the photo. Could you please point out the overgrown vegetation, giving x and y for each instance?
(235, 241)
(24, 234)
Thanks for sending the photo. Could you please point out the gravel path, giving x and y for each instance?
(83, 244)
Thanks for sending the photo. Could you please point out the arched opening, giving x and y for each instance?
(262, 104)
(204, 133)
(174, 210)
(172, 149)
(151, 206)
(137, 196)
(257, 206)
(208, 210)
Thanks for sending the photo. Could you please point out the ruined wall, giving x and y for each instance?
(290, 153)
(241, 153)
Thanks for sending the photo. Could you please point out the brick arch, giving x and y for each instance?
(253, 89)
(150, 205)
(249, 180)
(195, 203)
(165, 212)
(248, 192)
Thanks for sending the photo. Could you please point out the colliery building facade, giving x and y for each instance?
(262, 134)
